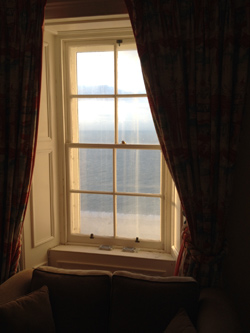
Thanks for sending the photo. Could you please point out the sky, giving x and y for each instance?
(95, 68)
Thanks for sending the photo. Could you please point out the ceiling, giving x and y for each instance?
(78, 24)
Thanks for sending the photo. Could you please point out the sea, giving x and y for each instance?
(138, 171)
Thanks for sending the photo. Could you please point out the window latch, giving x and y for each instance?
(119, 41)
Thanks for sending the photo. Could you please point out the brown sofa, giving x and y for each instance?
(49, 299)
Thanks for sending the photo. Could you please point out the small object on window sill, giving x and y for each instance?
(130, 249)
(137, 240)
(105, 247)
(91, 236)
(123, 142)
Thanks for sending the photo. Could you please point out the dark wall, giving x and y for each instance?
(237, 263)
(76, 8)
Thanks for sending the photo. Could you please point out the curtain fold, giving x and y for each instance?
(21, 26)
(195, 60)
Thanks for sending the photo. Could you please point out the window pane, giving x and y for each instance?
(96, 120)
(95, 70)
(138, 171)
(130, 79)
(138, 217)
(135, 121)
(95, 169)
(96, 214)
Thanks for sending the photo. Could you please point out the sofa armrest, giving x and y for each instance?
(16, 286)
(216, 313)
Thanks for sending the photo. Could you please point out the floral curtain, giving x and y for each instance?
(195, 58)
(21, 23)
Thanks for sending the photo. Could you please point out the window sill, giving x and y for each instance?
(83, 257)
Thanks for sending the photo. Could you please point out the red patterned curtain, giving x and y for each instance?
(21, 23)
(195, 58)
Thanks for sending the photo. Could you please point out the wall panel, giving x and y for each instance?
(42, 204)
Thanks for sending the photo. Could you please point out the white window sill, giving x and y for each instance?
(83, 257)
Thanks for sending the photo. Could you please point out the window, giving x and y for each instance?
(116, 175)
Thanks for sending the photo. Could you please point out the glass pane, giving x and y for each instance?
(138, 171)
(130, 79)
(95, 70)
(96, 120)
(138, 217)
(94, 167)
(96, 214)
(135, 122)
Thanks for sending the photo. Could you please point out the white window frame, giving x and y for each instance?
(171, 227)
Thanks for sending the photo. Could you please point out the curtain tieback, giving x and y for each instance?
(199, 256)
(204, 258)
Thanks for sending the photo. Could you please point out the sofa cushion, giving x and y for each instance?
(180, 323)
(79, 299)
(16, 286)
(30, 313)
(141, 303)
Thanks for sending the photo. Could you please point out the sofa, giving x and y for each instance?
(49, 299)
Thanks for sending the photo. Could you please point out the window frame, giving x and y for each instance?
(167, 243)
